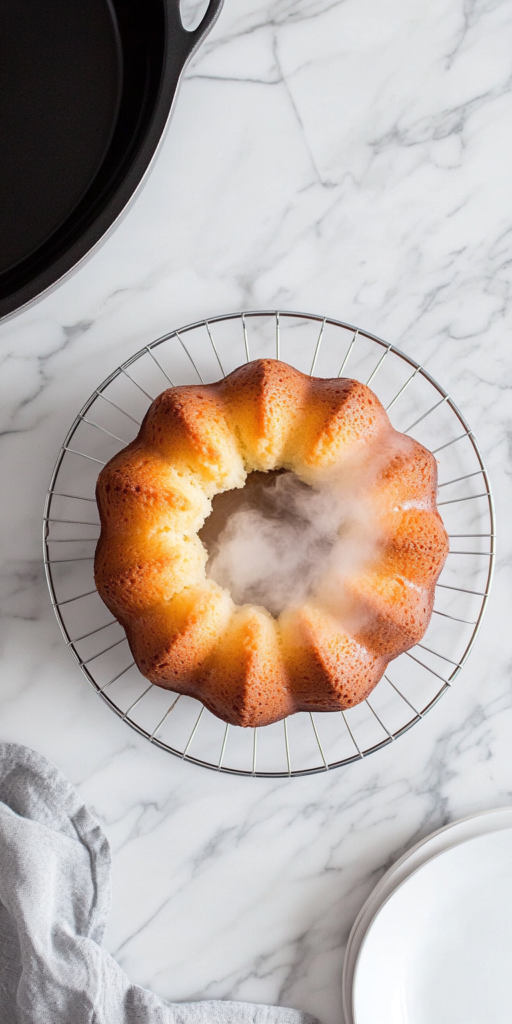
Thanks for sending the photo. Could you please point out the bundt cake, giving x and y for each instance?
(324, 652)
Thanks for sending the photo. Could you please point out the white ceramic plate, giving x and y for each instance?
(440, 948)
(450, 835)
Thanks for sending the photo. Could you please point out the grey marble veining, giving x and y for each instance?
(346, 158)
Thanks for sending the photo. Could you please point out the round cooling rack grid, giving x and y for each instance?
(304, 743)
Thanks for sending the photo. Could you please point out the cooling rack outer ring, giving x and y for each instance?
(277, 316)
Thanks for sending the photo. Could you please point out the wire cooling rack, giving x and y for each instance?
(304, 743)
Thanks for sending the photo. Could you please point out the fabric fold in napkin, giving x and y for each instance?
(54, 904)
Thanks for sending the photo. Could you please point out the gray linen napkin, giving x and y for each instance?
(54, 903)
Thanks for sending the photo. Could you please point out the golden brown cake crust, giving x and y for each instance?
(184, 630)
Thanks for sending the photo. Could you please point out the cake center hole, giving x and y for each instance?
(268, 541)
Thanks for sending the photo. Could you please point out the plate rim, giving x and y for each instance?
(409, 879)
(349, 963)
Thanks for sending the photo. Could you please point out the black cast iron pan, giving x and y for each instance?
(86, 89)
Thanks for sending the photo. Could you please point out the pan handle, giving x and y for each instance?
(180, 38)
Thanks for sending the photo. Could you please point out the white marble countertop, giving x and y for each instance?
(346, 157)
